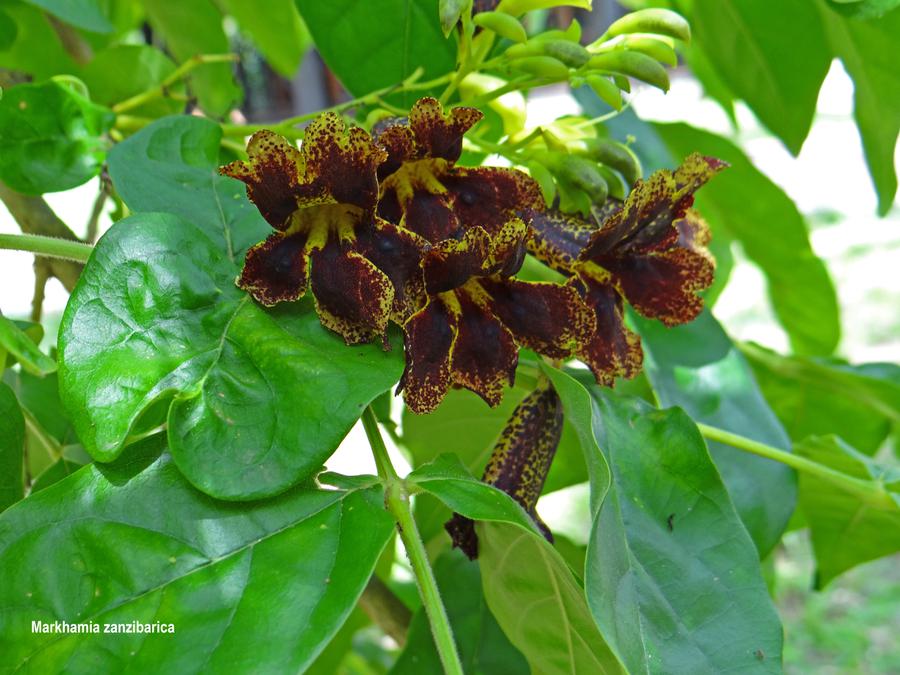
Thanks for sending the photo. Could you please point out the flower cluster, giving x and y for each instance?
(386, 227)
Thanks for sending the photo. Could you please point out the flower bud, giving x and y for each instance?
(657, 21)
(502, 24)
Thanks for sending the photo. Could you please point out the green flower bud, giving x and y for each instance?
(502, 24)
(634, 64)
(542, 66)
(605, 89)
(657, 21)
(570, 53)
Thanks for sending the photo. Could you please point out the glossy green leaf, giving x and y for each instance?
(16, 343)
(275, 28)
(86, 14)
(846, 530)
(861, 404)
(135, 542)
(32, 28)
(40, 397)
(52, 138)
(259, 399)
(863, 9)
(696, 367)
(373, 45)
(190, 28)
(671, 576)
(60, 469)
(774, 59)
(122, 71)
(12, 448)
(483, 647)
(528, 586)
(868, 52)
(539, 604)
(255, 399)
(8, 31)
(749, 207)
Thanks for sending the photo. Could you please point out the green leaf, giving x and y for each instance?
(61, 468)
(122, 71)
(696, 367)
(171, 166)
(14, 340)
(863, 9)
(539, 604)
(33, 28)
(52, 138)
(868, 52)
(774, 60)
(528, 586)
(671, 576)
(259, 399)
(483, 647)
(846, 530)
(125, 543)
(12, 448)
(255, 399)
(373, 45)
(40, 397)
(191, 28)
(8, 31)
(748, 206)
(86, 14)
(861, 404)
(276, 29)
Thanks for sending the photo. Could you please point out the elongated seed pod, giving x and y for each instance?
(657, 50)
(502, 24)
(658, 21)
(634, 64)
(520, 462)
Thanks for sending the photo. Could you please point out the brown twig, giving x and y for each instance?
(35, 216)
(386, 610)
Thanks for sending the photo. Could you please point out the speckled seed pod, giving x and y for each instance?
(520, 462)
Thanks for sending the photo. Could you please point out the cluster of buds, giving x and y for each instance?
(386, 227)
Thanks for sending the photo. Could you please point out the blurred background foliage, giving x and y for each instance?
(802, 98)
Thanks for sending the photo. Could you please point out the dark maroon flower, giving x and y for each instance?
(649, 250)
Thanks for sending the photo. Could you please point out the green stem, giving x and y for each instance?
(397, 502)
(870, 492)
(162, 90)
(52, 247)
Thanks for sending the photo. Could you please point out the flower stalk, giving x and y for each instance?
(397, 503)
(51, 247)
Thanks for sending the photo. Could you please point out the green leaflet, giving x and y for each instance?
(255, 399)
(86, 14)
(52, 138)
(671, 576)
(861, 404)
(277, 30)
(484, 648)
(18, 344)
(539, 604)
(696, 366)
(845, 530)
(192, 27)
(528, 585)
(12, 447)
(32, 27)
(122, 71)
(746, 205)
(751, 44)
(372, 45)
(868, 51)
(133, 541)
